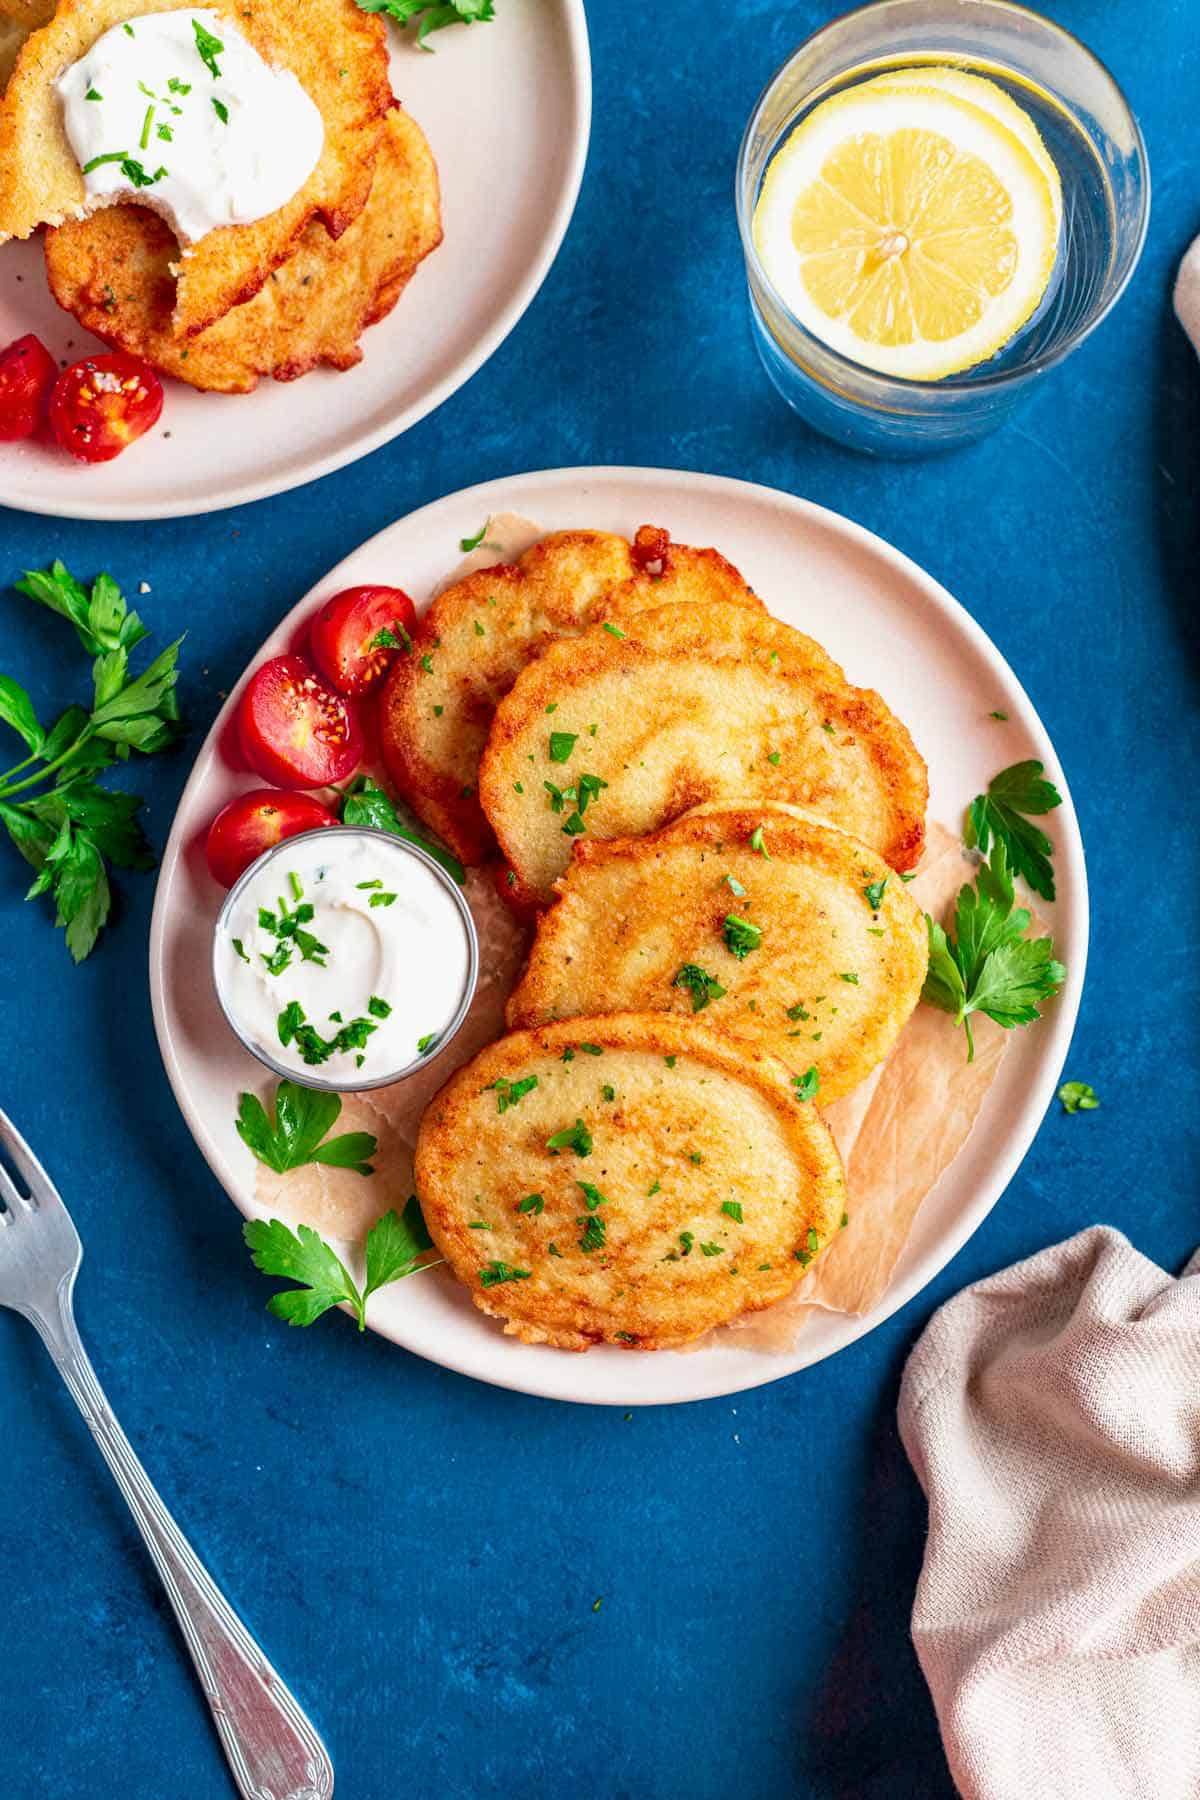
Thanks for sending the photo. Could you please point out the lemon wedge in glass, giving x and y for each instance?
(909, 227)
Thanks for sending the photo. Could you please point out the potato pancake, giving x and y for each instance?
(113, 272)
(337, 52)
(631, 1180)
(681, 706)
(816, 955)
(477, 636)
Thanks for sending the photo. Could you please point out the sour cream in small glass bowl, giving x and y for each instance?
(344, 958)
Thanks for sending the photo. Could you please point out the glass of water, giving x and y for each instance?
(1090, 133)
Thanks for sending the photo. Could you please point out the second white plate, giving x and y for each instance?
(893, 628)
(507, 109)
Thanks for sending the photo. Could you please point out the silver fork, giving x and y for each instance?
(272, 1747)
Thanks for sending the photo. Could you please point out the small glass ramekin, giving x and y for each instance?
(891, 416)
(286, 849)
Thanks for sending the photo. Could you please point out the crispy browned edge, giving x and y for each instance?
(89, 301)
(792, 833)
(449, 1114)
(696, 632)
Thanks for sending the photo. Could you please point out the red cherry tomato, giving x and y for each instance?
(350, 636)
(296, 732)
(27, 373)
(103, 404)
(253, 823)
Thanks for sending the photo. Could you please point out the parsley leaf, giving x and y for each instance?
(703, 986)
(574, 1137)
(497, 1272)
(303, 1116)
(1003, 813)
(874, 891)
(467, 544)
(806, 1085)
(990, 966)
(561, 745)
(393, 1245)
(1077, 1096)
(363, 803)
(509, 1093)
(741, 937)
(208, 48)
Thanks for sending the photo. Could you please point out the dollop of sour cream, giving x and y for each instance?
(342, 957)
(177, 111)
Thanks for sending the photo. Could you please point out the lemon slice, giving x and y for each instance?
(978, 91)
(909, 228)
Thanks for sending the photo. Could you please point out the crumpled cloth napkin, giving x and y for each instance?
(1187, 294)
(1052, 1414)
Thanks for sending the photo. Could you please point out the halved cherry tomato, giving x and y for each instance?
(27, 373)
(356, 635)
(295, 731)
(103, 404)
(253, 823)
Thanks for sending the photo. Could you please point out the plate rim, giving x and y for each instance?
(137, 512)
(1057, 1028)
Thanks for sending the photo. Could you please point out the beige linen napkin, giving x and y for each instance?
(1052, 1414)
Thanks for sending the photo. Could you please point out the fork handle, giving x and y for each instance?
(273, 1749)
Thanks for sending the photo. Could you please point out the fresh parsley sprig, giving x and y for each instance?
(1013, 797)
(435, 15)
(364, 803)
(295, 1136)
(394, 1244)
(66, 826)
(990, 966)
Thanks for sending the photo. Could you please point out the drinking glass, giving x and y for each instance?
(1089, 130)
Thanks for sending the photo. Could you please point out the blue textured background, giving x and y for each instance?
(421, 1555)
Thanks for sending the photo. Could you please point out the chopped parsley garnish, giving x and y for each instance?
(1077, 1096)
(175, 86)
(849, 976)
(874, 892)
(394, 1244)
(382, 899)
(592, 1195)
(208, 48)
(591, 1049)
(1002, 716)
(608, 1091)
(741, 937)
(672, 1060)
(733, 1210)
(427, 663)
(93, 95)
(713, 1249)
(293, 1027)
(759, 843)
(241, 949)
(799, 1011)
(497, 1272)
(595, 1231)
(466, 545)
(378, 1009)
(1014, 796)
(429, 1042)
(561, 745)
(430, 16)
(510, 1093)
(614, 629)
(654, 1188)
(806, 1085)
(392, 637)
(702, 986)
(574, 1137)
(297, 1133)
(990, 966)
(532, 1203)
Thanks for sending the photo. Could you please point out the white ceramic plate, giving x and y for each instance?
(893, 628)
(506, 107)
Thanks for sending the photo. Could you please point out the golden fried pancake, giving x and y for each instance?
(12, 36)
(820, 952)
(631, 1180)
(477, 636)
(113, 272)
(687, 705)
(30, 15)
(337, 52)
